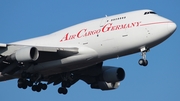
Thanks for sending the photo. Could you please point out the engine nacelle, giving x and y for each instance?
(112, 74)
(24, 55)
(105, 85)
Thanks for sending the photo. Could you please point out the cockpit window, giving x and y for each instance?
(151, 12)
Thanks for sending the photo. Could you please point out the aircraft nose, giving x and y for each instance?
(171, 27)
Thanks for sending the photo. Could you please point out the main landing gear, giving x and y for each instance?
(67, 81)
(62, 90)
(35, 81)
(31, 80)
(143, 61)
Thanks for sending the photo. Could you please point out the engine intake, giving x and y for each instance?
(113, 74)
(25, 54)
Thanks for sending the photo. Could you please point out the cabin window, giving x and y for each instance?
(119, 18)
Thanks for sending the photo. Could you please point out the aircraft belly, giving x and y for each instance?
(68, 68)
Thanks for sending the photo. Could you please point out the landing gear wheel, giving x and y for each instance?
(24, 86)
(19, 85)
(38, 89)
(34, 87)
(44, 86)
(30, 83)
(22, 83)
(62, 90)
(143, 62)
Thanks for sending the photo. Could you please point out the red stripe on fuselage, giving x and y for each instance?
(155, 23)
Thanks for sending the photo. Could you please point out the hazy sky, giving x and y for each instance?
(159, 81)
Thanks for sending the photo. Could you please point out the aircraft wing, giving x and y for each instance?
(12, 55)
(44, 53)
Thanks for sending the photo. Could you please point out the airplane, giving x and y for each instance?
(78, 52)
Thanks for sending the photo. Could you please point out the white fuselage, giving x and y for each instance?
(109, 37)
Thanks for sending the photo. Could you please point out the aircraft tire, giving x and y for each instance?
(24, 86)
(62, 90)
(44, 86)
(34, 87)
(143, 62)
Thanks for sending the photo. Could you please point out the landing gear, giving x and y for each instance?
(143, 61)
(39, 87)
(34, 81)
(31, 80)
(22, 83)
(67, 79)
(62, 90)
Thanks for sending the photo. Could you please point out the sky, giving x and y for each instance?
(159, 81)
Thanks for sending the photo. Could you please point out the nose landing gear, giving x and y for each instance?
(143, 61)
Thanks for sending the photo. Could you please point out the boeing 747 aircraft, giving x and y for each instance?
(77, 52)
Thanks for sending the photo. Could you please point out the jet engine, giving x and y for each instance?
(112, 74)
(109, 79)
(24, 55)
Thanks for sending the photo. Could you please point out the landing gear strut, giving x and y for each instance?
(143, 61)
(66, 83)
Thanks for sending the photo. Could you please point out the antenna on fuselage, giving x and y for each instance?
(103, 21)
